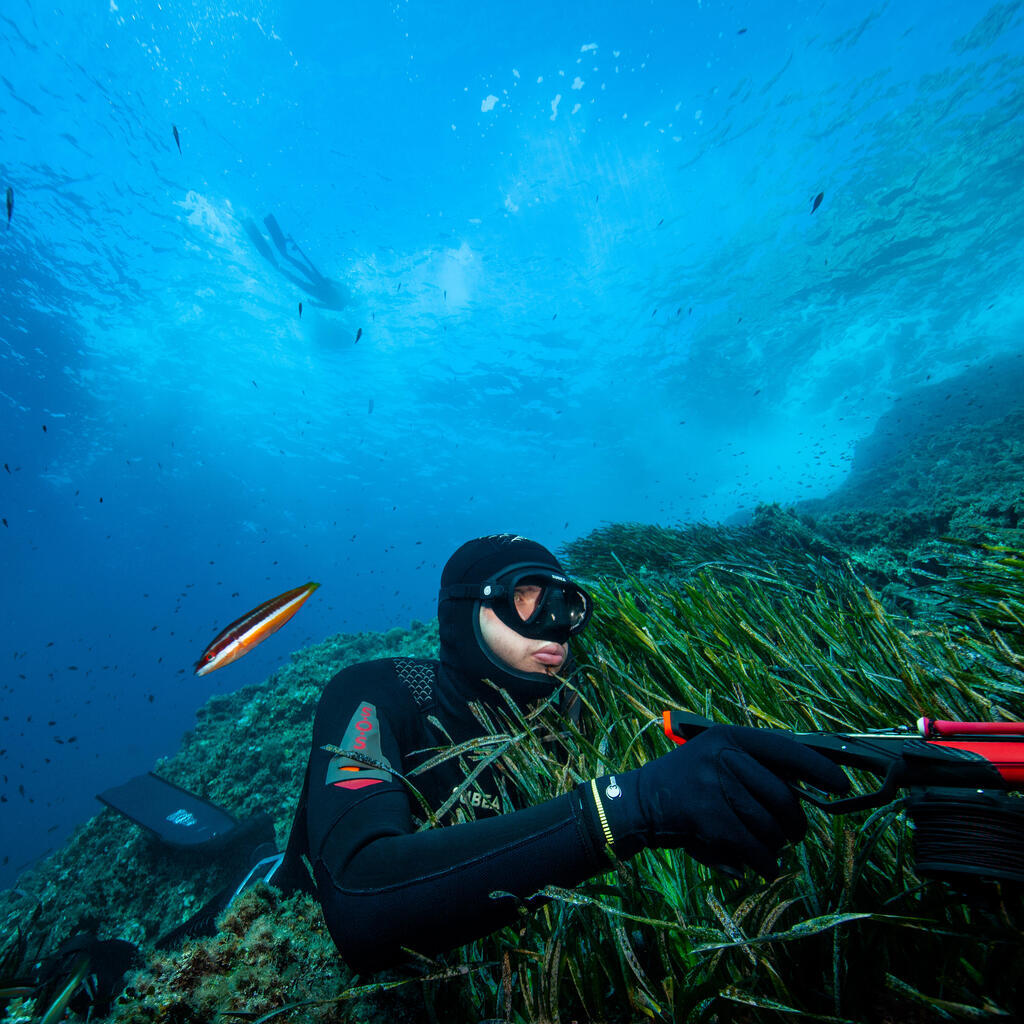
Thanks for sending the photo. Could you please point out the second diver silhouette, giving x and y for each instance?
(326, 294)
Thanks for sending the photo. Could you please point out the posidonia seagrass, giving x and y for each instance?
(848, 931)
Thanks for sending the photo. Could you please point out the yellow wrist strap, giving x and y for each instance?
(609, 842)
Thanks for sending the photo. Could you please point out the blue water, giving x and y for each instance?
(577, 240)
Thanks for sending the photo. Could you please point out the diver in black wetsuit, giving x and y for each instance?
(506, 613)
(327, 294)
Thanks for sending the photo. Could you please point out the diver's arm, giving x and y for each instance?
(384, 885)
(431, 890)
(725, 797)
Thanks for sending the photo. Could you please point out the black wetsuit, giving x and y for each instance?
(382, 884)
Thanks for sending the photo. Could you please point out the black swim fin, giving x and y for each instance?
(180, 818)
(276, 234)
(257, 239)
(100, 966)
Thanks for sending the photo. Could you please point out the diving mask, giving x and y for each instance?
(532, 600)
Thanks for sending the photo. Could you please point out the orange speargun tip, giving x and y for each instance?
(666, 725)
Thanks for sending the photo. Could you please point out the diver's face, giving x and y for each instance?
(520, 652)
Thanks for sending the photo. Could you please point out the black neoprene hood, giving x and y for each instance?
(464, 654)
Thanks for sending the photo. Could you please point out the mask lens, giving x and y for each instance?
(546, 608)
(578, 605)
(527, 597)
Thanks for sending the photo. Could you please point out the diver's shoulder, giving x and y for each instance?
(379, 679)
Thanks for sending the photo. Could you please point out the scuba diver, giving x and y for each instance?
(506, 613)
(327, 294)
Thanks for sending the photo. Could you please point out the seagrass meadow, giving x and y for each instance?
(770, 624)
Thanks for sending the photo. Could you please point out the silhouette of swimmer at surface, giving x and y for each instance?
(327, 294)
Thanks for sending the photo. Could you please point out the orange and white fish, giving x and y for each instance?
(252, 628)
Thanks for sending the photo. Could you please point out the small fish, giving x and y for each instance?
(817, 201)
(177, 139)
(300, 310)
(359, 334)
(370, 408)
(10, 204)
(252, 629)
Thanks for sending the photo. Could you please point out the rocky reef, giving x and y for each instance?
(947, 458)
(247, 753)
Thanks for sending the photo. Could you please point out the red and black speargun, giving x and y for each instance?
(964, 783)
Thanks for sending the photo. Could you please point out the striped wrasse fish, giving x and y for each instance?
(252, 628)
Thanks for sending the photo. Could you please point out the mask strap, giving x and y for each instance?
(462, 591)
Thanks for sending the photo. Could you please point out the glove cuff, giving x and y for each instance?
(614, 811)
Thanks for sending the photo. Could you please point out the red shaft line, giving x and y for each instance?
(938, 727)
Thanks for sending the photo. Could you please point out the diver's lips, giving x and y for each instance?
(550, 655)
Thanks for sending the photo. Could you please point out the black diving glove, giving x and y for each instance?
(725, 797)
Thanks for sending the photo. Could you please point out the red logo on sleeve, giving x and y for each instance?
(362, 737)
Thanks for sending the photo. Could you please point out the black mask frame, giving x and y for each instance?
(563, 608)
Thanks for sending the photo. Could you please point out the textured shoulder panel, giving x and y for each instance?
(419, 676)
